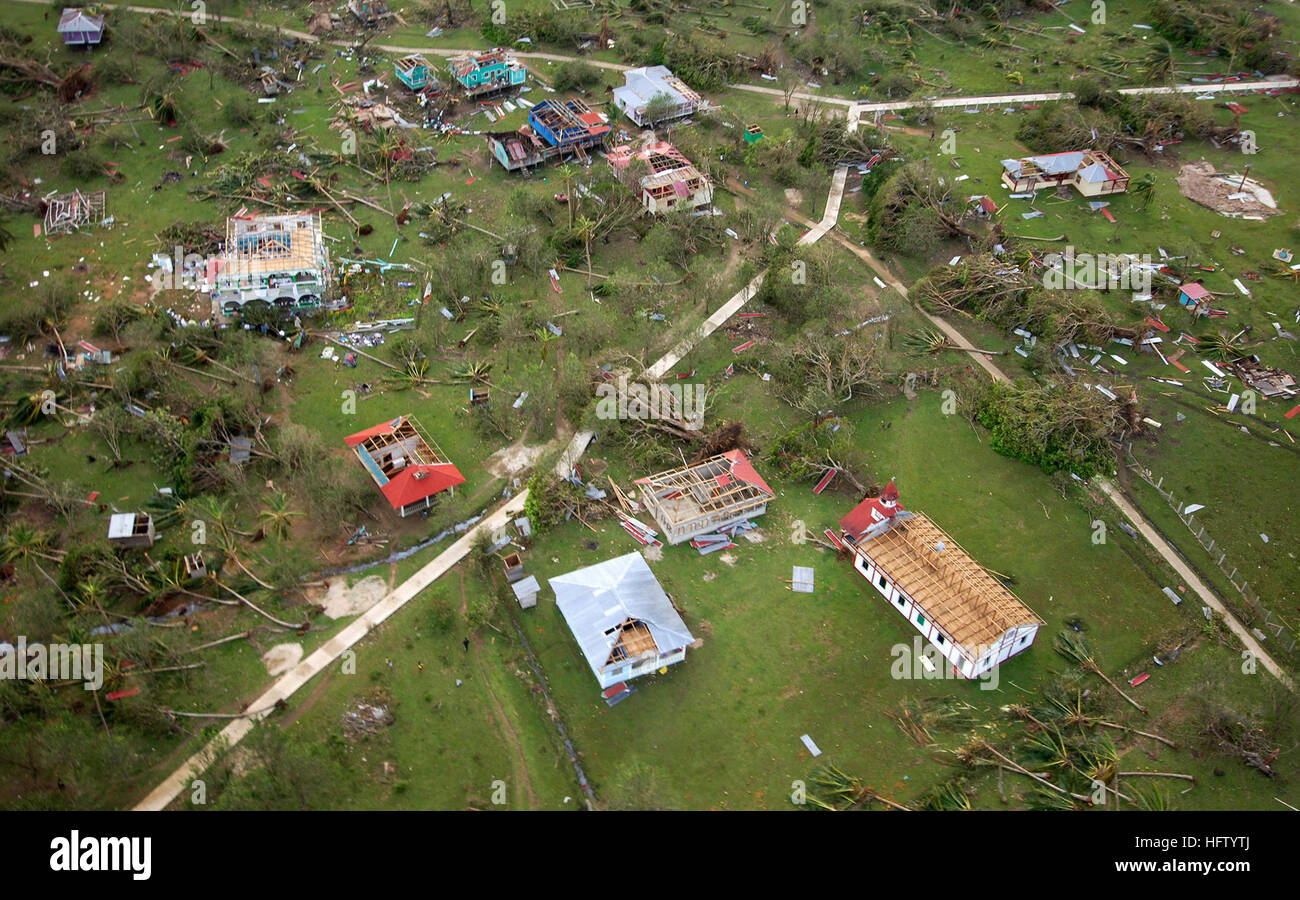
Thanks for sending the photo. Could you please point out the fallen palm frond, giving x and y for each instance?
(476, 372)
(1067, 709)
(1073, 647)
(837, 790)
(932, 340)
(916, 718)
(949, 796)
(979, 752)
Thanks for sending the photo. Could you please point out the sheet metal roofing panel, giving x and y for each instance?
(1095, 173)
(1058, 163)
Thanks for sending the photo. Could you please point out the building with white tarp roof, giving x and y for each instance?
(625, 625)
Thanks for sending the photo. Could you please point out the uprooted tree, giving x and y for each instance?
(1057, 426)
(913, 211)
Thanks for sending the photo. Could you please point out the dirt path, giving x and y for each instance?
(503, 722)
(1170, 555)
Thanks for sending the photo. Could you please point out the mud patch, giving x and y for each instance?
(509, 462)
(281, 658)
(728, 558)
(1225, 193)
(653, 554)
(708, 576)
(341, 600)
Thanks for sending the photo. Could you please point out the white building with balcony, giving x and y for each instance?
(276, 260)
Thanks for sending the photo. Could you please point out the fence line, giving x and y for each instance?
(1257, 613)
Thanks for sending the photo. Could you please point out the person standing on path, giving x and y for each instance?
(466, 643)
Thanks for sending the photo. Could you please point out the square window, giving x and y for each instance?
(920, 620)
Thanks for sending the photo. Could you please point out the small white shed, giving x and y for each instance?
(526, 591)
(131, 530)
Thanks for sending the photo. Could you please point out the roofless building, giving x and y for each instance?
(704, 497)
(969, 616)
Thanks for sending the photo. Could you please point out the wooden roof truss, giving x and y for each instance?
(407, 441)
(634, 642)
(961, 598)
(700, 495)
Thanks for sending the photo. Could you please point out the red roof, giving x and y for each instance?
(415, 482)
(382, 428)
(871, 511)
(1195, 290)
(744, 470)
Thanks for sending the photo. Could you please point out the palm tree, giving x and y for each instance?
(1161, 61)
(1243, 32)
(568, 173)
(1100, 765)
(24, 543)
(218, 514)
(1221, 347)
(1068, 709)
(545, 336)
(836, 790)
(586, 229)
(277, 516)
(1073, 647)
(1144, 190)
(91, 591)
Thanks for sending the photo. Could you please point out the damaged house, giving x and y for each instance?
(966, 614)
(487, 72)
(624, 623)
(415, 72)
(555, 129)
(406, 465)
(672, 182)
(66, 213)
(369, 12)
(1091, 173)
(1268, 381)
(647, 83)
(271, 259)
(701, 498)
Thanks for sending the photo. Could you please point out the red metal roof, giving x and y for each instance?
(871, 511)
(1195, 290)
(415, 483)
(742, 469)
(382, 428)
